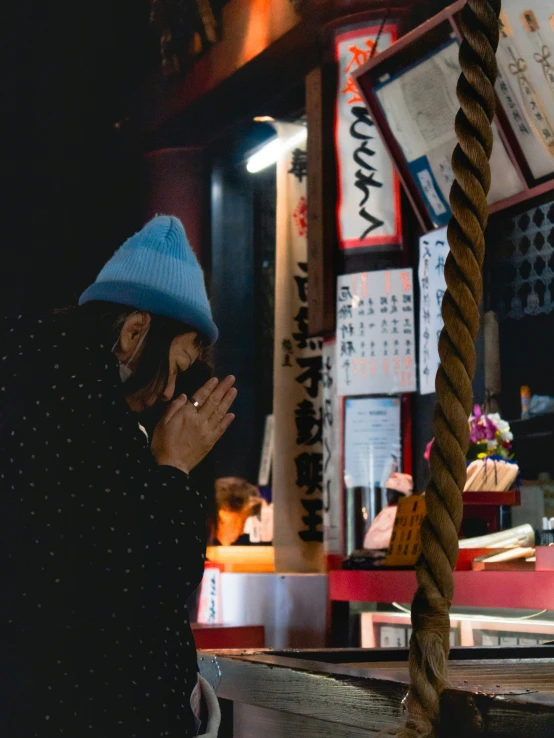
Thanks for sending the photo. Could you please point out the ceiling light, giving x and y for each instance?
(271, 152)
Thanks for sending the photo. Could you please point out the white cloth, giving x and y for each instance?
(203, 692)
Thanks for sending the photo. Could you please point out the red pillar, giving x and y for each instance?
(176, 182)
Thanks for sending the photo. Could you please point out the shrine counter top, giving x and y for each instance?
(354, 693)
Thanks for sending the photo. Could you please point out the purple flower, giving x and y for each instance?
(482, 428)
(490, 429)
(475, 435)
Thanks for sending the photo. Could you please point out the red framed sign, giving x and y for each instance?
(368, 202)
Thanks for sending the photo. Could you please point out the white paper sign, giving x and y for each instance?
(332, 484)
(372, 444)
(508, 641)
(433, 250)
(391, 637)
(375, 333)
(369, 211)
(267, 453)
(209, 609)
(490, 640)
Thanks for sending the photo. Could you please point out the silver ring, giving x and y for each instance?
(196, 404)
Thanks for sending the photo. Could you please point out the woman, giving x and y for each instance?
(102, 535)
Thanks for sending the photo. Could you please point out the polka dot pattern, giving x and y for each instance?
(99, 550)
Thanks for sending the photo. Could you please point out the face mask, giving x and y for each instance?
(125, 372)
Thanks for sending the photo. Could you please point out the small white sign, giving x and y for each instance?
(267, 453)
(433, 250)
(392, 637)
(372, 444)
(375, 333)
(508, 641)
(209, 609)
(490, 640)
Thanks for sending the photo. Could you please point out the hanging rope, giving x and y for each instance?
(429, 644)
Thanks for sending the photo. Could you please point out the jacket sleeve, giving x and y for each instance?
(88, 441)
(169, 512)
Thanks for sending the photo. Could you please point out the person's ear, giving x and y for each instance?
(135, 326)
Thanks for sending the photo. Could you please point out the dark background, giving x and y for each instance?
(69, 188)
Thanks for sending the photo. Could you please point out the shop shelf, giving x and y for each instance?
(498, 589)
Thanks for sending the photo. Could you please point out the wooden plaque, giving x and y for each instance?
(405, 545)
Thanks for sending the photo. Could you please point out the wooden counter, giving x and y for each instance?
(495, 693)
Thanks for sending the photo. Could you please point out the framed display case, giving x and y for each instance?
(410, 90)
(525, 84)
(394, 630)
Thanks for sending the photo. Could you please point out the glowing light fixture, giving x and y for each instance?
(271, 152)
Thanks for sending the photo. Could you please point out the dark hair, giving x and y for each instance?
(106, 319)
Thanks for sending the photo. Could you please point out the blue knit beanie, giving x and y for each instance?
(157, 271)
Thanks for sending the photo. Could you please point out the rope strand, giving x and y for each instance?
(430, 642)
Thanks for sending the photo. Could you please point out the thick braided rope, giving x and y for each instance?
(429, 644)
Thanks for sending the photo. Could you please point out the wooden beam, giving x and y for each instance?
(322, 193)
(175, 181)
(252, 90)
(249, 27)
(265, 46)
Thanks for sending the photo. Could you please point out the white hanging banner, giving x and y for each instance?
(332, 482)
(297, 458)
(433, 250)
(375, 333)
(369, 212)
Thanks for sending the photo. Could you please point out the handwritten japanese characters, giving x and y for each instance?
(525, 82)
(299, 164)
(332, 484)
(375, 346)
(369, 190)
(209, 608)
(298, 368)
(420, 105)
(405, 544)
(433, 250)
(308, 416)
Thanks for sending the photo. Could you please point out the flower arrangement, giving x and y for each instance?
(489, 436)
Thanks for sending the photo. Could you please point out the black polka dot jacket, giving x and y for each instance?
(99, 550)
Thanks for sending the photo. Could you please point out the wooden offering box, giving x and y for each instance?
(494, 693)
